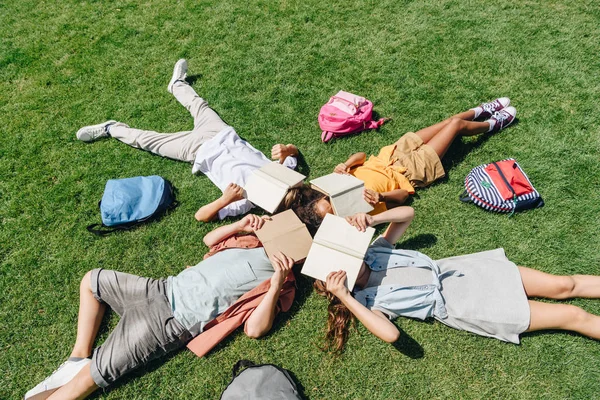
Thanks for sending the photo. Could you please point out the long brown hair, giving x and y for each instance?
(339, 320)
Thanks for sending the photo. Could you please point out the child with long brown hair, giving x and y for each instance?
(483, 293)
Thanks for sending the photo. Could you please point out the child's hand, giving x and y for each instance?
(335, 284)
(251, 223)
(282, 265)
(341, 169)
(233, 192)
(281, 152)
(372, 197)
(360, 221)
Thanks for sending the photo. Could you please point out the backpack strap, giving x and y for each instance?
(239, 365)
(374, 124)
(508, 185)
(326, 136)
(106, 230)
(464, 197)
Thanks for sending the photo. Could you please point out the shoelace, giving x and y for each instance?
(501, 116)
(491, 106)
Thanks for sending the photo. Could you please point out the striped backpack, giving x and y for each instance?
(501, 186)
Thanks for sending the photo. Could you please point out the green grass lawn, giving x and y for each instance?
(267, 67)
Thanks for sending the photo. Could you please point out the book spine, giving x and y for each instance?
(340, 248)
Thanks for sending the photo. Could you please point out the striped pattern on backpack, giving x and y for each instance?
(500, 186)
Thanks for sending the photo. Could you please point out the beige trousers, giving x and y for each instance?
(181, 146)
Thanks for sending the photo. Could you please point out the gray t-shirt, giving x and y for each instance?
(200, 293)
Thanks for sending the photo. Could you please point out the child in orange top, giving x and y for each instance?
(415, 159)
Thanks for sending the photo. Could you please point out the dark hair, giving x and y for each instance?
(298, 197)
(339, 320)
(303, 200)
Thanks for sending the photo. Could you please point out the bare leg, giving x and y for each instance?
(455, 127)
(90, 316)
(426, 134)
(563, 316)
(541, 284)
(81, 386)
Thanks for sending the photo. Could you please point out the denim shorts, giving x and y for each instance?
(147, 328)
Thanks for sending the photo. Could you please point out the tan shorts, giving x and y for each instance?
(423, 166)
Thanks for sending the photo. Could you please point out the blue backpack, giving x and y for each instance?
(129, 202)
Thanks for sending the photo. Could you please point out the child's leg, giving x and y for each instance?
(207, 122)
(563, 316)
(426, 134)
(90, 316)
(541, 284)
(178, 146)
(81, 386)
(455, 127)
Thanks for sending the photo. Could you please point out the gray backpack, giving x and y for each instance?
(260, 382)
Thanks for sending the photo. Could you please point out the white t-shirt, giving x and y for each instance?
(226, 159)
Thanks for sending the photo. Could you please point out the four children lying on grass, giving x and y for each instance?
(483, 293)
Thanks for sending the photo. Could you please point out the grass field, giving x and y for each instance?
(267, 67)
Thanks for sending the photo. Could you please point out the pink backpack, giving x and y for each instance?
(346, 113)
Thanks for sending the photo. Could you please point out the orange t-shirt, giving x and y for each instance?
(381, 175)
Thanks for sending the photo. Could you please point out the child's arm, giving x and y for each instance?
(249, 223)
(352, 161)
(282, 151)
(374, 321)
(261, 319)
(208, 212)
(399, 219)
(392, 199)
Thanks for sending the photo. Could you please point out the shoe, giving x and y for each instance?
(60, 377)
(179, 73)
(501, 119)
(93, 132)
(486, 110)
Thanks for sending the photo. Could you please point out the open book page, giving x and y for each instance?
(267, 186)
(350, 203)
(285, 232)
(337, 246)
(287, 176)
(345, 193)
(334, 184)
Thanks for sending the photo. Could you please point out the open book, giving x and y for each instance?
(268, 185)
(337, 246)
(345, 193)
(285, 232)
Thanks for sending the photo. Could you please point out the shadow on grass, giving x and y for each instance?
(421, 241)
(408, 346)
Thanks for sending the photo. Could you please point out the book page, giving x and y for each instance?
(350, 203)
(335, 232)
(294, 243)
(264, 191)
(334, 184)
(288, 177)
(322, 260)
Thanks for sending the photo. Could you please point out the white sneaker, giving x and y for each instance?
(60, 377)
(179, 73)
(93, 132)
(486, 110)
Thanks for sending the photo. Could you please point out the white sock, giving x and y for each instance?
(478, 110)
(492, 124)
